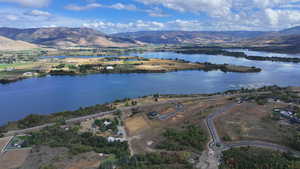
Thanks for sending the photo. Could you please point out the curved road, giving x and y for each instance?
(217, 142)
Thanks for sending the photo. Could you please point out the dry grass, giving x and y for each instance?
(84, 164)
(250, 121)
(136, 124)
(13, 159)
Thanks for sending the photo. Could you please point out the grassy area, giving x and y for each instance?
(161, 160)
(190, 138)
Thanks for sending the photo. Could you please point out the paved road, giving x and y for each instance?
(225, 146)
(7, 143)
(262, 144)
(179, 108)
(211, 125)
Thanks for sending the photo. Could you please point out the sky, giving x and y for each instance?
(112, 16)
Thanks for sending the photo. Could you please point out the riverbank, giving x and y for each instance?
(224, 52)
(84, 66)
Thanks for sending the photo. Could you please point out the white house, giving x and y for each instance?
(106, 123)
(113, 139)
(109, 68)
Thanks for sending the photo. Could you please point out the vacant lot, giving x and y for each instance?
(13, 159)
(249, 121)
(145, 134)
(136, 124)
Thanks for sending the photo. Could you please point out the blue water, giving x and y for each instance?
(266, 54)
(59, 93)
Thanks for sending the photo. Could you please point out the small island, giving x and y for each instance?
(124, 64)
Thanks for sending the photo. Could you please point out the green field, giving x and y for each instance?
(4, 66)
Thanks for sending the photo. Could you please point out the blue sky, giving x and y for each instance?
(112, 16)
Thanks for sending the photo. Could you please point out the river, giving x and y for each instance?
(59, 93)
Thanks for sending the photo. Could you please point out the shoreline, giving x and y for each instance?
(111, 106)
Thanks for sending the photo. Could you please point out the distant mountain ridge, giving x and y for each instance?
(86, 37)
(177, 37)
(67, 37)
(287, 37)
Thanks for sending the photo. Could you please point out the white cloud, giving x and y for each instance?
(117, 6)
(282, 17)
(121, 6)
(212, 7)
(23, 18)
(156, 12)
(11, 17)
(38, 13)
(141, 25)
(29, 3)
(232, 15)
(74, 7)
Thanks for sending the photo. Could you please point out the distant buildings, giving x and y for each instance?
(288, 114)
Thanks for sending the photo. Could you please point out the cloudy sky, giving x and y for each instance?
(112, 16)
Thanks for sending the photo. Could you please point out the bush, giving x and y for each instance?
(252, 158)
(191, 137)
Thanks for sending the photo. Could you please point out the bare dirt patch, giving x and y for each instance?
(136, 124)
(3, 142)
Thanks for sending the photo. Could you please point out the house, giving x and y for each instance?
(28, 74)
(286, 113)
(107, 123)
(114, 139)
(152, 115)
(109, 68)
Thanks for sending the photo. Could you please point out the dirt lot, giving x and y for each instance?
(13, 159)
(249, 121)
(136, 124)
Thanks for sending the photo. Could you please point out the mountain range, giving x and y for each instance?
(65, 37)
(71, 37)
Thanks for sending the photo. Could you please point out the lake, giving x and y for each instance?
(59, 93)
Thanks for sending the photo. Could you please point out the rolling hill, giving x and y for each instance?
(286, 37)
(14, 45)
(65, 37)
